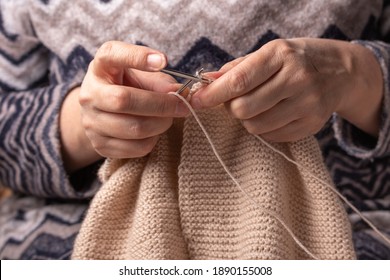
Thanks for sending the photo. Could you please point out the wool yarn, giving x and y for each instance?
(179, 203)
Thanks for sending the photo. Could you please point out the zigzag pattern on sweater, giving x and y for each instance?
(68, 46)
(202, 54)
(53, 227)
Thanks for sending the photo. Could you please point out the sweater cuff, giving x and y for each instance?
(354, 141)
(83, 183)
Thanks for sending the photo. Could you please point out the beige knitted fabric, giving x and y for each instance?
(179, 203)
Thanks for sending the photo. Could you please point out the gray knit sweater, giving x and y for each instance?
(46, 45)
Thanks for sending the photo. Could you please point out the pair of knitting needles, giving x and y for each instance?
(198, 77)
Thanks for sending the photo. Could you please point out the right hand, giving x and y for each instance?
(124, 100)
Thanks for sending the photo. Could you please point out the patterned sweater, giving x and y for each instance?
(45, 48)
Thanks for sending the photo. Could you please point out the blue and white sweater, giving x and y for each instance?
(46, 45)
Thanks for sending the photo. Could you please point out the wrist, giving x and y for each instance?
(77, 151)
(362, 100)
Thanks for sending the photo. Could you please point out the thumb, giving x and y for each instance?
(115, 54)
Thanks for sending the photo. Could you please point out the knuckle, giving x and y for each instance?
(289, 54)
(84, 97)
(284, 47)
(239, 108)
(137, 130)
(238, 81)
(87, 124)
(121, 101)
(105, 51)
(278, 46)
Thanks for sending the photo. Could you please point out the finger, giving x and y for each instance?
(212, 75)
(123, 126)
(253, 71)
(231, 64)
(153, 81)
(115, 54)
(261, 99)
(134, 101)
(278, 116)
(119, 148)
(291, 132)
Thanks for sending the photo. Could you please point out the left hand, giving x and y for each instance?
(288, 89)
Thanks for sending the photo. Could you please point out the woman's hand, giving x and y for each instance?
(124, 104)
(124, 107)
(288, 89)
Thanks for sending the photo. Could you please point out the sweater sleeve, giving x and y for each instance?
(354, 141)
(30, 152)
(351, 139)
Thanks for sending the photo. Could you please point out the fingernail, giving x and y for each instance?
(182, 110)
(155, 61)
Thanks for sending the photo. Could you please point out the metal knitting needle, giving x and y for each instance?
(197, 78)
(184, 86)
